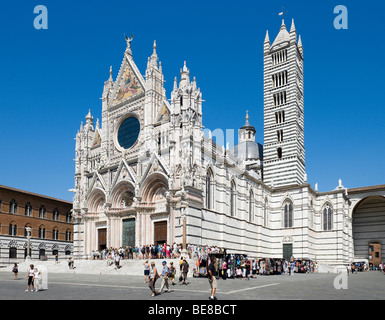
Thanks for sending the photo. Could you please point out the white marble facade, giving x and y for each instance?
(147, 174)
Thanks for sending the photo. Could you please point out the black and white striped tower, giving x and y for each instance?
(284, 150)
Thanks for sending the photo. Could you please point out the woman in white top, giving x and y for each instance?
(36, 279)
(30, 277)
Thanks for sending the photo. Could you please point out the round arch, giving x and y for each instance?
(368, 226)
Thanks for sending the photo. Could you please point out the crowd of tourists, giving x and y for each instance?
(159, 251)
(355, 267)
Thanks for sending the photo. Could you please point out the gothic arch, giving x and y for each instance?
(209, 188)
(327, 216)
(266, 212)
(251, 208)
(96, 200)
(285, 199)
(287, 213)
(122, 195)
(154, 188)
(233, 198)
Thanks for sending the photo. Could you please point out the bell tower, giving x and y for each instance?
(284, 150)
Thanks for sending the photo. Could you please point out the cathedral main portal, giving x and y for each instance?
(160, 232)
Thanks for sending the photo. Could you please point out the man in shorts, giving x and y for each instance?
(211, 274)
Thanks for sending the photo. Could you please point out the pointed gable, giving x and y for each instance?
(129, 82)
(97, 142)
(164, 114)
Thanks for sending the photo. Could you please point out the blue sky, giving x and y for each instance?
(50, 78)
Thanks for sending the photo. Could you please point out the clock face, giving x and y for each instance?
(128, 132)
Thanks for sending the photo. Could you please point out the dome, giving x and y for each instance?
(248, 150)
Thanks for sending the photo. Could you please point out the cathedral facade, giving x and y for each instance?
(147, 174)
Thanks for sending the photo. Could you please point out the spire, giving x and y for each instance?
(89, 117)
(154, 50)
(299, 42)
(154, 56)
(247, 118)
(267, 39)
(175, 84)
(293, 33)
(292, 29)
(110, 79)
(283, 26)
(185, 68)
(247, 132)
(185, 76)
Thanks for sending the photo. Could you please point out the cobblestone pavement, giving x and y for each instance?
(365, 285)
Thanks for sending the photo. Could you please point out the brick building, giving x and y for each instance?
(49, 219)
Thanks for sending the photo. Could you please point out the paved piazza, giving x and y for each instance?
(320, 286)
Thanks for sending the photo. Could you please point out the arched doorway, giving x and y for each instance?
(154, 194)
(369, 229)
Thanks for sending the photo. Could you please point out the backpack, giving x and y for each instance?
(171, 272)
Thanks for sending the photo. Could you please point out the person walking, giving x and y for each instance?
(184, 271)
(254, 268)
(15, 270)
(69, 262)
(172, 273)
(153, 277)
(248, 268)
(211, 274)
(30, 276)
(224, 269)
(146, 271)
(165, 281)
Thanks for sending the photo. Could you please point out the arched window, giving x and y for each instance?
(68, 235)
(233, 200)
(42, 211)
(288, 215)
(13, 207)
(55, 233)
(251, 206)
(42, 232)
(68, 217)
(266, 213)
(209, 190)
(28, 209)
(55, 215)
(12, 229)
(327, 218)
